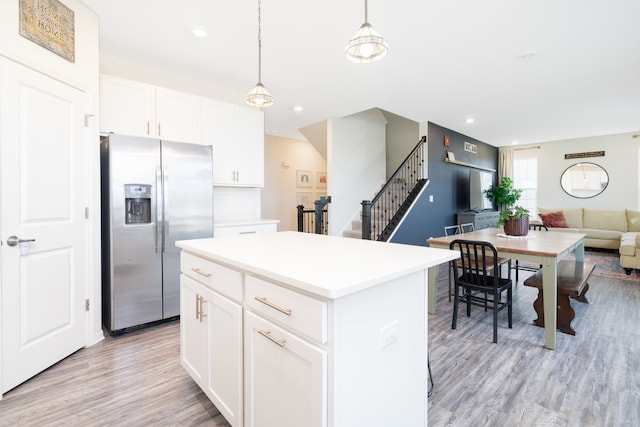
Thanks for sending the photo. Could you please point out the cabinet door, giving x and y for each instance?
(193, 332)
(250, 143)
(126, 107)
(178, 116)
(285, 377)
(219, 131)
(224, 389)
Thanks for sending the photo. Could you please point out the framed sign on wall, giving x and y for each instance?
(50, 24)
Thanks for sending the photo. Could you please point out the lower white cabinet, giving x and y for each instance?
(285, 377)
(211, 346)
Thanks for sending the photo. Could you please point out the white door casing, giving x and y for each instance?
(43, 194)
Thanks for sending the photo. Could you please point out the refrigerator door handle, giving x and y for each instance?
(158, 231)
(165, 206)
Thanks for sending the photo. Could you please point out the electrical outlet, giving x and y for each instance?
(389, 334)
(431, 198)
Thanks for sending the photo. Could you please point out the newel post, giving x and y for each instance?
(300, 218)
(366, 219)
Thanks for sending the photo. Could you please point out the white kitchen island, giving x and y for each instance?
(296, 329)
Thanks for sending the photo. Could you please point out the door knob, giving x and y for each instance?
(14, 240)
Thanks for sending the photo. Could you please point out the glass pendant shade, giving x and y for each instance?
(259, 96)
(366, 45)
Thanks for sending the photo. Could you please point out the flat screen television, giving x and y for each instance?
(478, 182)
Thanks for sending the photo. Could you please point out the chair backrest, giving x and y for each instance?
(467, 227)
(478, 262)
(450, 230)
(538, 227)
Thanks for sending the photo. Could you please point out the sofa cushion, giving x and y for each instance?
(628, 243)
(605, 220)
(572, 216)
(602, 234)
(633, 220)
(554, 220)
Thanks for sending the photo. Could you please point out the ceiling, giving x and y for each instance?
(527, 71)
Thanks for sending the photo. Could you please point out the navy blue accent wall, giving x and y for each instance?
(448, 184)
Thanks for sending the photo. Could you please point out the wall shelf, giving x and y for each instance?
(469, 165)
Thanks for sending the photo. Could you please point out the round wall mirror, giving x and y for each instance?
(584, 180)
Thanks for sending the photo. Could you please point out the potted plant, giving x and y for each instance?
(514, 218)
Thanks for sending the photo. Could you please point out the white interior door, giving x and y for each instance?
(42, 197)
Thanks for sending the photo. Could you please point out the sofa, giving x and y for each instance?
(606, 229)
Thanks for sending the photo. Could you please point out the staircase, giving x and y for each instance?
(384, 213)
(356, 230)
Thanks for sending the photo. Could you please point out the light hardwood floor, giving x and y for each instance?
(589, 380)
(131, 380)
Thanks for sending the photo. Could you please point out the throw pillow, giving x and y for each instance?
(554, 219)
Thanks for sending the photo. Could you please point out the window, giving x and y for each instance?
(525, 176)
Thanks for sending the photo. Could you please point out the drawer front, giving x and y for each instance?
(301, 313)
(221, 279)
(221, 231)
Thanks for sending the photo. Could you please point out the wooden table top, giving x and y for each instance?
(539, 243)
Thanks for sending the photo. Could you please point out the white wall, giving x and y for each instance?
(402, 136)
(356, 159)
(282, 158)
(620, 161)
(126, 69)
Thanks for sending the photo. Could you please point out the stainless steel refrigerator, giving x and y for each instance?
(154, 192)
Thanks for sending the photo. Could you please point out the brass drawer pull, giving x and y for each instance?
(264, 300)
(197, 270)
(267, 335)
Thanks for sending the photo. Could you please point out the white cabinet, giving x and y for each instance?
(237, 136)
(133, 108)
(285, 377)
(178, 116)
(193, 331)
(211, 333)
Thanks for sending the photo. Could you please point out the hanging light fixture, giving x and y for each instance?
(367, 45)
(259, 96)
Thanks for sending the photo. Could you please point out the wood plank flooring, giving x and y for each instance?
(131, 380)
(589, 380)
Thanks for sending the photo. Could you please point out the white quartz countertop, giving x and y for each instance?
(326, 266)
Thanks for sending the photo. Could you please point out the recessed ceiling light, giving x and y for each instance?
(470, 120)
(298, 108)
(526, 54)
(200, 33)
(515, 143)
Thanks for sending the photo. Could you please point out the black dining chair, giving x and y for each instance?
(477, 271)
(517, 267)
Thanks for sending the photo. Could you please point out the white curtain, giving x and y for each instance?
(505, 163)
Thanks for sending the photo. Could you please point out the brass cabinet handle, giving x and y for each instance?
(197, 270)
(267, 335)
(264, 300)
(197, 307)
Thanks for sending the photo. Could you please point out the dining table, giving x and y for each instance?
(542, 247)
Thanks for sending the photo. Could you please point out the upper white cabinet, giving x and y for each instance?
(237, 136)
(133, 108)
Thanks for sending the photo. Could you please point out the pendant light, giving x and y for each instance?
(367, 45)
(259, 96)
